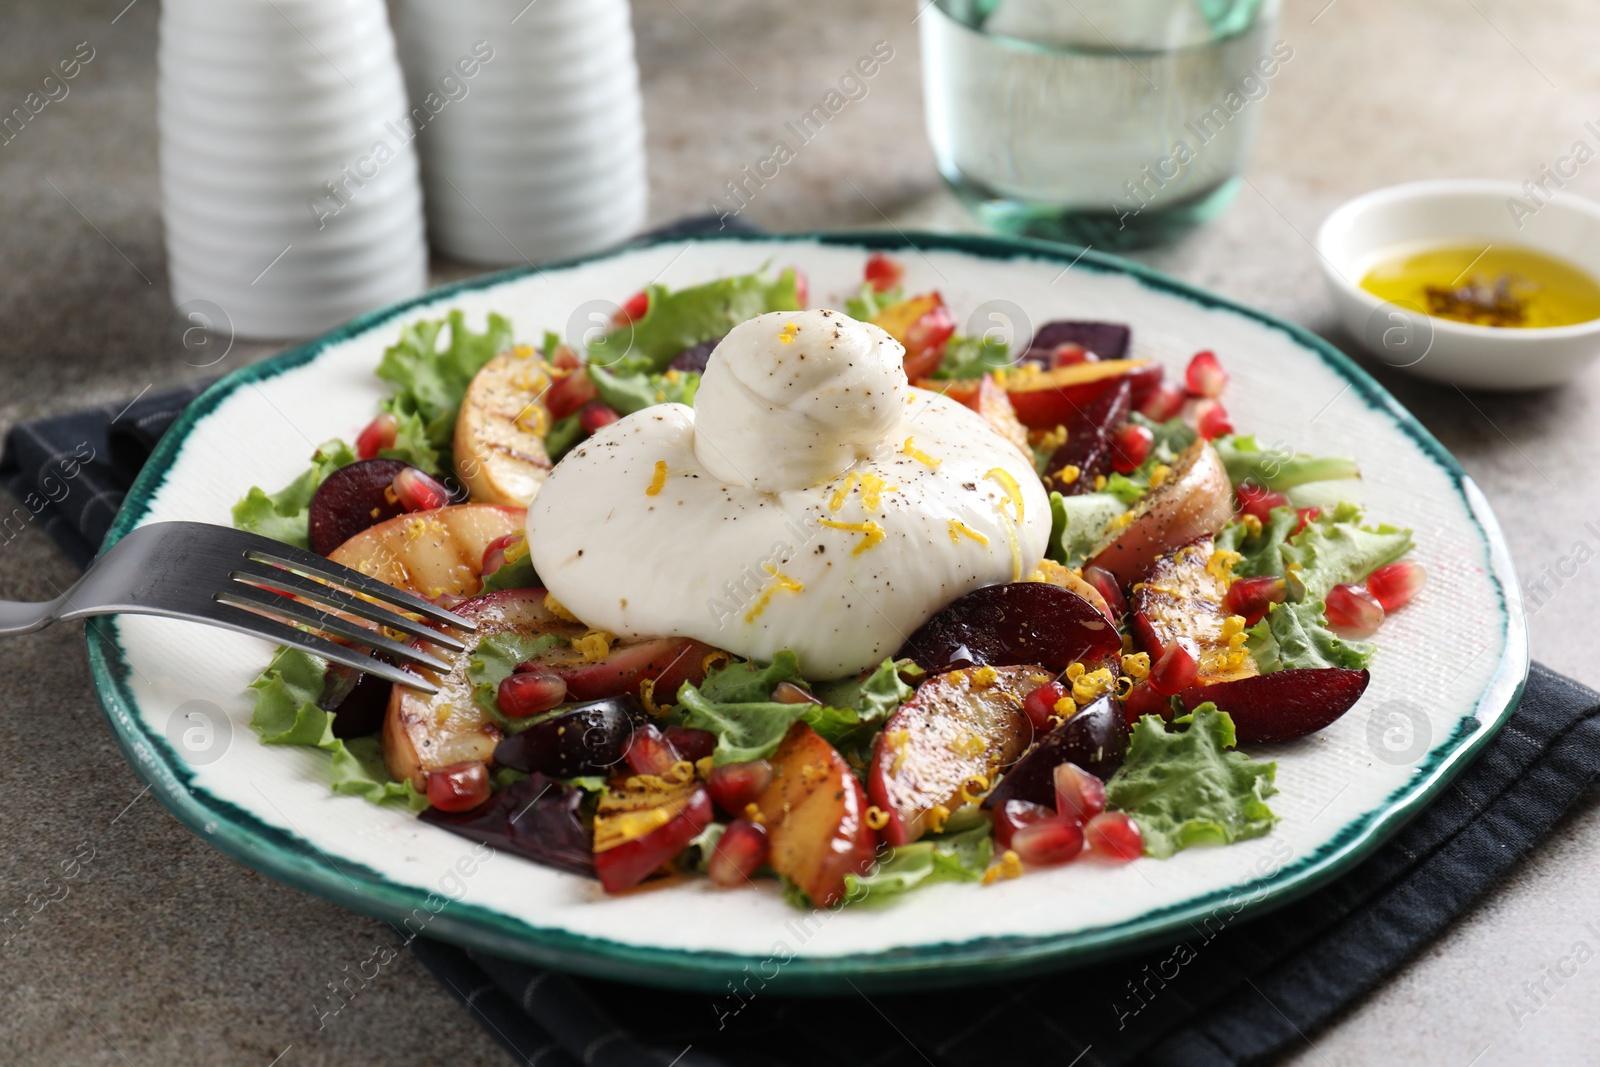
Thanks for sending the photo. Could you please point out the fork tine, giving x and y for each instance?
(319, 567)
(250, 597)
(334, 597)
(248, 622)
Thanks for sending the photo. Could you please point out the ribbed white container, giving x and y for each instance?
(262, 103)
(539, 153)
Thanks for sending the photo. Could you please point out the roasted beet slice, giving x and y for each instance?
(585, 739)
(537, 818)
(358, 701)
(1283, 705)
(1108, 340)
(695, 357)
(1086, 454)
(1096, 739)
(353, 499)
(1016, 623)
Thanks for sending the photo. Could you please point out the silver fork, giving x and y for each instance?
(225, 577)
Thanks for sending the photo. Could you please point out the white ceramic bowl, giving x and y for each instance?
(1460, 211)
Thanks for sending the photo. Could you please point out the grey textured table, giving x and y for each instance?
(164, 951)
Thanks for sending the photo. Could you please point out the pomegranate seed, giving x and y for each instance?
(461, 787)
(530, 692)
(1165, 403)
(569, 393)
(378, 435)
(802, 287)
(1115, 837)
(1014, 815)
(1254, 500)
(1211, 419)
(418, 491)
(882, 273)
(649, 752)
(1251, 597)
(1130, 447)
(1144, 700)
(494, 553)
(1394, 584)
(596, 414)
(1080, 796)
(789, 693)
(1040, 705)
(1069, 354)
(633, 309)
(1307, 516)
(1353, 612)
(693, 745)
(735, 785)
(742, 848)
(1205, 376)
(1105, 583)
(1177, 668)
(1048, 843)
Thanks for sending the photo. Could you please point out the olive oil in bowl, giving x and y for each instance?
(1487, 285)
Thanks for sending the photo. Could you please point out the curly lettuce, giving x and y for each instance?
(1296, 636)
(431, 379)
(677, 320)
(286, 514)
(1184, 786)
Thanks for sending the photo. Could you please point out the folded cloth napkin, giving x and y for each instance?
(1257, 989)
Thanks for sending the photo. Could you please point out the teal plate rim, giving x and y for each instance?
(287, 858)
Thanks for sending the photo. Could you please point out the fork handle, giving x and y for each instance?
(19, 617)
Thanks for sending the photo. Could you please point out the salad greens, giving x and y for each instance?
(674, 321)
(1295, 636)
(954, 857)
(286, 713)
(430, 381)
(285, 515)
(1335, 549)
(1185, 787)
(494, 659)
(1277, 468)
(627, 393)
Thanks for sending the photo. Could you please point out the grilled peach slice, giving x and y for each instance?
(960, 725)
(1182, 596)
(431, 553)
(1195, 501)
(427, 733)
(499, 443)
(816, 816)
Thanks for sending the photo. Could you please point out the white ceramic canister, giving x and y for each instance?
(528, 120)
(291, 202)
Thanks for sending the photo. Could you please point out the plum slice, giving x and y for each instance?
(1185, 596)
(536, 818)
(351, 499)
(1283, 705)
(1086, 454)
(641, 824)
(1096, 739)
(585, 739)
(961, 725)
(1015, 623)
(1108, 340)
(666, 662)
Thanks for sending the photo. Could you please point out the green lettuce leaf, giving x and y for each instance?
(1127, 490)
(1260, 556)
(961, 857)
(494, 659)
(1084, 519)
(286, 713)
(285, 515)
(745, 681)
(734, 702)
(1293, 636)
(678, 320)
(513, 574)
(972, 357)
(1334, 549)
(875, 697)
(564, 435)
(1278, 468)
(1184, 787)
(627, 393)
(1171, 438)
(430, 381)
(868, 302)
